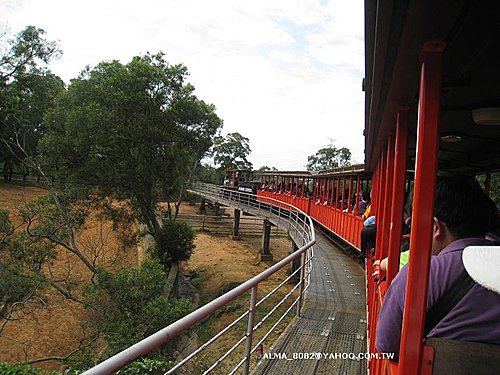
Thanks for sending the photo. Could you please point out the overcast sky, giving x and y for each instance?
(284, 73)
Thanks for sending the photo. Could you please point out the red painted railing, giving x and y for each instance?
(347, 225)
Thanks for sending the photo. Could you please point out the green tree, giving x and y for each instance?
(177, 242)
(133, 132)
(28, 50)
(494, 186)
(22, 282)
(328, 158)
(25, 101)
(131, 304)
(265, 168)
(27, 91)
(232, 151)
(209, 174)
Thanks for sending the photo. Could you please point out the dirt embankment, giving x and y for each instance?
(55, 328)
(219, 263)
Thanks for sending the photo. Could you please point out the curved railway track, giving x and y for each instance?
(333, 319)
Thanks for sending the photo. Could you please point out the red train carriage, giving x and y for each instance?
(337, 199)
(290, 187)
(333, 198)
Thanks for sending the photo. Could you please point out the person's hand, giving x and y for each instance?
(376, 268)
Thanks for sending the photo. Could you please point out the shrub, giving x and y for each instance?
(177, 242)
(132, 304)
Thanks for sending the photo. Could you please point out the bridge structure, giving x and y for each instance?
(328, 332)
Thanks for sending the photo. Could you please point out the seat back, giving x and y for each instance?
(464, 357)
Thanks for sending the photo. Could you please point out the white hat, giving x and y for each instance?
(483, 265)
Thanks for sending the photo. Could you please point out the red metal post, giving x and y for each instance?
(398, 192)
(349, 206)
(342, 195)
(330, 191)
(380, 204)
(333, 193)
(358, 189)
(383, 224)
(323, 187)
(423, 209)
(337, 193)
(350, 209)
(373, 303)
(375, 184)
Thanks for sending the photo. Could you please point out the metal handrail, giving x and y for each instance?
(303, 228)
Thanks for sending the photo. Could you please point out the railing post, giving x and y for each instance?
(423, 208)
(251, 316)
(397, 199)
(302, 277)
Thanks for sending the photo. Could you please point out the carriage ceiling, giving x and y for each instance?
(471, 76)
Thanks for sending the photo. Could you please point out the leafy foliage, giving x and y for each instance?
(209, 174)
(328, 158)
(153, 366)
(177, 242)
(27, 91)
(132, 304)
(232, 151)
(265, 168)
(6, 227)
(494, 186)
(21, 280)
(28, 50)
(132, 131)
(8, 369)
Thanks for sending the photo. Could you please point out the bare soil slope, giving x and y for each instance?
(56, 329)
(219, 262)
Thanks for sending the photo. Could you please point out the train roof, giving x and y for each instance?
(395, 32)
(348, 170)
(298, 174)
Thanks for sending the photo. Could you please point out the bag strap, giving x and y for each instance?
(448, 301)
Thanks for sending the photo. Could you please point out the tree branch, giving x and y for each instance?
(80, 347)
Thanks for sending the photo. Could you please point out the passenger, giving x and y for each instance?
(369, 231)
(381, 265)
(368, 208)
(343, 203)
(363, 201)
(404, 256)
(368, 237)
(360, 207)
(462, 217)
